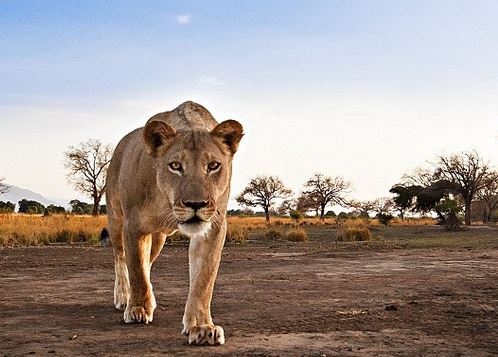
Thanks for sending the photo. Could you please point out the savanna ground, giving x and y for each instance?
(411, 290)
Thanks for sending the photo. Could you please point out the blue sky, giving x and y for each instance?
(364, 89)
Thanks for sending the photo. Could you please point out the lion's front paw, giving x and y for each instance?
(205, 335)
(137, 314)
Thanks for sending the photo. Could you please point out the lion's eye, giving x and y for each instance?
(213, 166)
(175, 166)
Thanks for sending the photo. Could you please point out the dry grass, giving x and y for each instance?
(236, 233)
(413, 222)
(254, 223)
(353, 234)
(296, 235)
(27, 230)
(273, 233)
(249, 223)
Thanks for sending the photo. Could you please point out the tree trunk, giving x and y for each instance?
(467, 213)
(485, 216)
(96, 206)
(267, 215)
(322, 214)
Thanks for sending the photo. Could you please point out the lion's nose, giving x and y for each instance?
(195, 205)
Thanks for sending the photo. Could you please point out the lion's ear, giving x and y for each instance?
(230, 131)
(156, 134)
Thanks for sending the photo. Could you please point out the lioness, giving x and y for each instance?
(173, 174)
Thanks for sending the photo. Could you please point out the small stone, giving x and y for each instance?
(391, 307)
(73, 337)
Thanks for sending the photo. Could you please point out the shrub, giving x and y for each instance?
(296, 235)
(353, 234)
(296, 215)
(272, 233)
(385, 218)
(7, 207)
(236, 234)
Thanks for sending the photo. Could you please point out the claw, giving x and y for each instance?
(206, 335)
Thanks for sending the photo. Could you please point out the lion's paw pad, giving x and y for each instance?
(206, 335)
(137, 314)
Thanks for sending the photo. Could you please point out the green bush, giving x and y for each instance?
(296, 215)
(7, 207)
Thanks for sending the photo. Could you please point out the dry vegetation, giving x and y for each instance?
(28, 230)
(296, 235)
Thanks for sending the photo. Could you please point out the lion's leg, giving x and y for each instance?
(142, 303)
(158, 239)
(204, 260)
(121, 282)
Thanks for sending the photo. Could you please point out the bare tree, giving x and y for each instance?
(305, 203)
(263, 191)
(325, 191)
(361, 208)
(4, 188)
(488, 197)
(383, 205)
(285, 207)
(468, 173)
(421, 176)
(87, 164)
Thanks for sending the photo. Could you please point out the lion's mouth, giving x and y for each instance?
(194, 226)
(194, 220)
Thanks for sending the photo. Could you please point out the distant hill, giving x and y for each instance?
(15, 194)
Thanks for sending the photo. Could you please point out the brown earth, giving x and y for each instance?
(272, 298)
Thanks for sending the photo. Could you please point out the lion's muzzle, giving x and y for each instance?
(194, 216)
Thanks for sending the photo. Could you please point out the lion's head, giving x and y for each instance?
(193, 171)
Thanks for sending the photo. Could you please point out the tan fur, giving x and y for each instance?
(150, 197)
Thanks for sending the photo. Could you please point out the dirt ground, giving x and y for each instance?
(272, 298)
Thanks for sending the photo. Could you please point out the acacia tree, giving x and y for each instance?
(326, 191)
(4, 188)
(435, 196)
(87, 164)
(468, 173)
(263, 191)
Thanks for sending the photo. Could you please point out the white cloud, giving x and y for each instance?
(211, 81)
(184, 19)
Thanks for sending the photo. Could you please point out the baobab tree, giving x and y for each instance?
(263, 191)
(87, 164)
